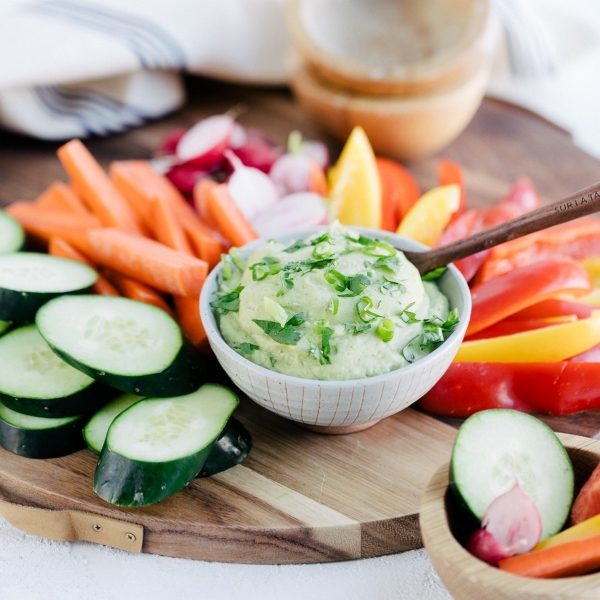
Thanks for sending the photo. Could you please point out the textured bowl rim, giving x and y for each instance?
(428, 69)
(214, 334)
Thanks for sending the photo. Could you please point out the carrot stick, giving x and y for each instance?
(206, 245)
(166, 227)
(135, 290)
(43, 223)
(232, 223)
(200, 195)
(564, 560)
(188, 317)
(59, 247)
(96, 189)
(148, 261)
(59, 196)
(317, 181)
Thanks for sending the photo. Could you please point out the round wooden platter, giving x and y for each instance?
(300, 497)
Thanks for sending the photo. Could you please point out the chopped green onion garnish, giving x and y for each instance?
(379, 249)
(227, 271)
(435, 274)
(363, 310)
(319, 326)
(238, 261)
(409, 317)
(336, 279)
(385, 330)
(259, 271)
(356, 327)
(322, 249)
(333, 306)
(275, 310)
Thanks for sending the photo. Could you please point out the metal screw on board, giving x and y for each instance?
(130, 537)
(97, 527)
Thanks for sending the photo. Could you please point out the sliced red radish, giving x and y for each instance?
(295, 211)
(204, 143)
(239, 136)
(184, 178)
(291, 173)
(318, 151)
(257, 151)
(168, 145)
(511, 525)
(252, 190)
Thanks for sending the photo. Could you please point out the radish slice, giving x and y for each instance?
(291, 173)
(252, 190)
(257, 151)
(295, 211)
(204, 143)
(169, 144)
(239, 136)
(184, 178)
(318, 151)
(511, 525)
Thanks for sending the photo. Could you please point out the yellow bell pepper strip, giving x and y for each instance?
(583, 530)
(551, 388)
(509, 293)
(554, 343)
(430, 215)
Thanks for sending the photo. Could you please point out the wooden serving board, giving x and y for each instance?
(299, 497)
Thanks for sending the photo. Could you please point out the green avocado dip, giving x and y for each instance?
(334, 306)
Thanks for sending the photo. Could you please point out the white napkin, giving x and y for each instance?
(78, 67)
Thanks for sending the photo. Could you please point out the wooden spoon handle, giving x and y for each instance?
(579, 204)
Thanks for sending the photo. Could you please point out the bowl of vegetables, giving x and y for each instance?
(347, 403)
(514, 514)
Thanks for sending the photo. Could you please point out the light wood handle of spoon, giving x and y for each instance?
(579, 204)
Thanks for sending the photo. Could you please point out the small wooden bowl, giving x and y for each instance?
(468, 578)
(394, 47)
(406, 128)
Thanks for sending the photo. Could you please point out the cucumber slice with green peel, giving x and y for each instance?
(12, 236)
(496, 448)
(96, 428)
(230, 449)
(29, 280)
(129, 345)
(38, 437)
(158, 445)
(35, 381)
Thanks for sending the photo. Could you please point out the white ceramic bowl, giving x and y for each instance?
(338, 406)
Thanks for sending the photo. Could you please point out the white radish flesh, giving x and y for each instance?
(251, 189)
(204, 143)
(295, 211)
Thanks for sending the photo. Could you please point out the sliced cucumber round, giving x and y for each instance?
(496, 448)
(131, 346)
(158, 445)
(12, 236)
(29, 280)
(96, 428)
(35, 381)
(230, 449)
(38, 437)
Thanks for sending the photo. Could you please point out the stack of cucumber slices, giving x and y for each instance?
(118, 369)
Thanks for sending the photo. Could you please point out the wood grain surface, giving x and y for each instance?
(300, 496)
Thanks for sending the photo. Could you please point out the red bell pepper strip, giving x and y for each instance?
(399, 191)
(553, 388)
(553, 307)
(521, 198)
(509, 327)
(451, 172)
(505, 295)
(579, 239)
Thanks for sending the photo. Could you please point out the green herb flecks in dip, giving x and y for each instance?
(334, 306)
